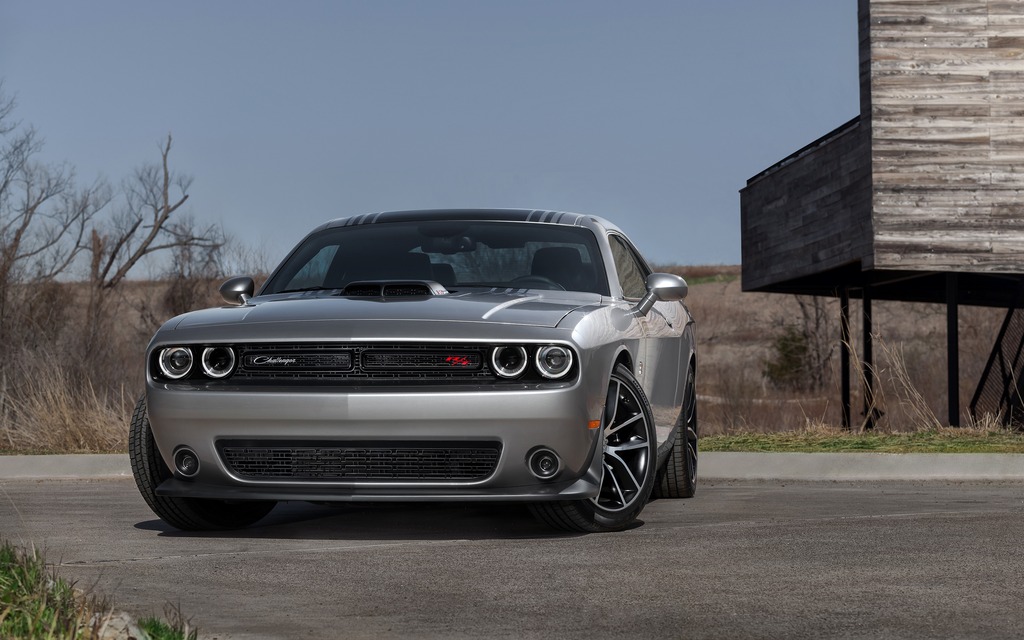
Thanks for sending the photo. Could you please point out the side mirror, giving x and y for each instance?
(661, 287)
(237, 290)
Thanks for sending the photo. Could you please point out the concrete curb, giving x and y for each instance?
(65, 466)
(713, 466)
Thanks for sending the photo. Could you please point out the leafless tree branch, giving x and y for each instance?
(144, 220)
(43, 215)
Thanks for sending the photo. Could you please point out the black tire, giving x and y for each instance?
(678, 478)
(630, 457)
(187, 514)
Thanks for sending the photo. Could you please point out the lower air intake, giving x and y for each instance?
(354, 463)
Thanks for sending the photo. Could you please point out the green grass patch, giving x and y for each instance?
(36, 603)
(837, 441)
(159, 630)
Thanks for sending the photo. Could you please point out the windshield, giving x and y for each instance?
(454, 254)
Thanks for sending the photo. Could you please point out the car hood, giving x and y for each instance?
(542, 309)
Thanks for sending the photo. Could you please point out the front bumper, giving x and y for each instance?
(518, 421)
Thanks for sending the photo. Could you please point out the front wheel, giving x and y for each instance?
(187, 514)
(629, 457)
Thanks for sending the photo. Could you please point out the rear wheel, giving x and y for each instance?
(678, 479)
(629, 456)
(188, 514)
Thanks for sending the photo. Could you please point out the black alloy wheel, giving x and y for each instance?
(629, 456)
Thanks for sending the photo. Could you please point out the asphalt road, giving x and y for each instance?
(742, 560)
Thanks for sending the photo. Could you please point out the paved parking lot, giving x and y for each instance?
(742, 560)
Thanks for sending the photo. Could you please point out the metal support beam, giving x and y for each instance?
(844, 354)
(953, 348)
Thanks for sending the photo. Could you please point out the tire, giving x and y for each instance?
(630, 457)
(678, 478)
(187, 514)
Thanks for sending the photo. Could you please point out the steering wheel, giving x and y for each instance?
(542, 282)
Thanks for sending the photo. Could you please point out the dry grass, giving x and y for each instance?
(699, 274)
(66, 393)
(908, 395)
(59, 414)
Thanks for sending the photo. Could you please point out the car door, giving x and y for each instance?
(659, 369)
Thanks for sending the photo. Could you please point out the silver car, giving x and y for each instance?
(456, 355)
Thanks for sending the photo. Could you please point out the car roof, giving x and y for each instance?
(499, 215)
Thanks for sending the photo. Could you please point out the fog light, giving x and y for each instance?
(186, 462)
(544, 463)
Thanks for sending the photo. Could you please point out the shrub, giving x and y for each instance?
(789, 366)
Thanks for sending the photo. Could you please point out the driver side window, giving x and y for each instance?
(632, 272)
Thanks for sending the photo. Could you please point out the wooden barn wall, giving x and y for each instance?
(809, 214)
(946, 89)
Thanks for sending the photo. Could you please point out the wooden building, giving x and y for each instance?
(920, 198)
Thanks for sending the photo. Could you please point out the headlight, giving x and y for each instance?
(509, 362)
(218, 362)
(176, 362)
(554, 361)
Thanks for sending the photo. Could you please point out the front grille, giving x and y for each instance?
(278, 361)
(364, 363)
(356, 462)
(421, 361)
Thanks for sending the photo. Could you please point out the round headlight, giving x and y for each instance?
(554, 361)
(218, 362)
(509, 362)
(176, 362)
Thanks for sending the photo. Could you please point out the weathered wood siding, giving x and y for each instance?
(945, 87)
(808, 214)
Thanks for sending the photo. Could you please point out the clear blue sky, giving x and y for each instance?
(652, 114)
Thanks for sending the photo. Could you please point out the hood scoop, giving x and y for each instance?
(393, 289)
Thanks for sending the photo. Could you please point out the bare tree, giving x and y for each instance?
(819, 328)
(43, 215)
(143, 226)
(194, 267)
